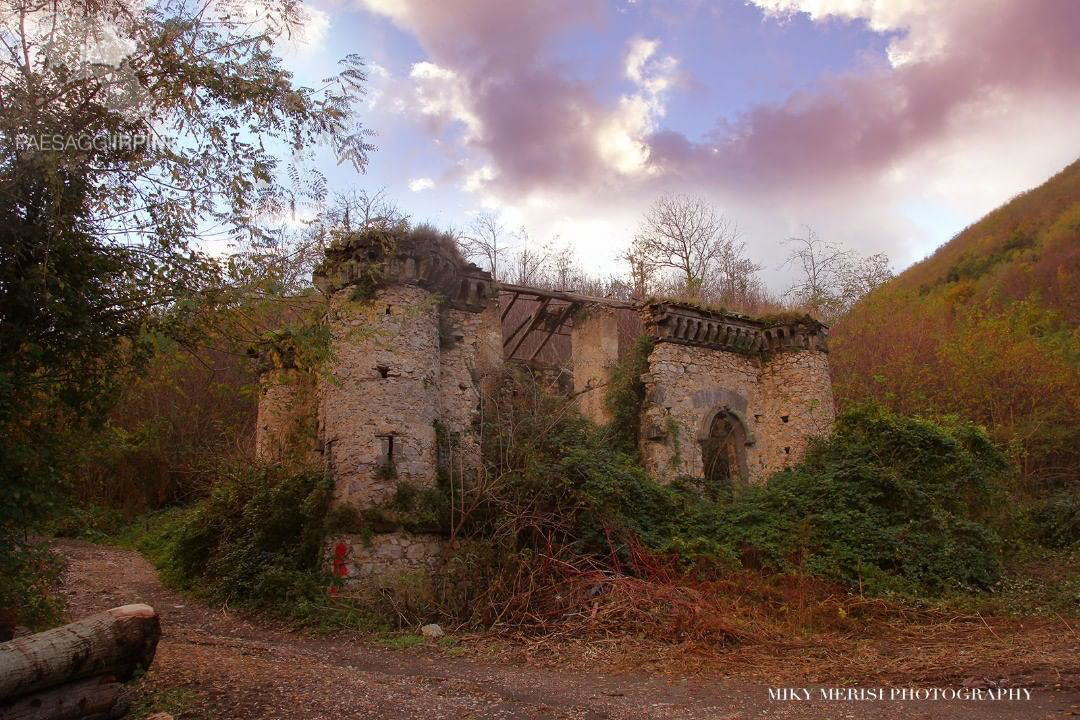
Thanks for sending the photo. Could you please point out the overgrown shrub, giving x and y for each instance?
(625, 393)
(888, 503)
(552, 477)
(29, 578)
(256, 541)
(1056, 520)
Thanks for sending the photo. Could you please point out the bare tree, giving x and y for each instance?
(831, 278)
(566, 271)
(642, 272)
(487, 241)
(357, 210)
(734, 282)
(687, 236)
(531, 265)
(285, 258)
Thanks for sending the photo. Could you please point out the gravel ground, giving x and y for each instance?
(214, 664)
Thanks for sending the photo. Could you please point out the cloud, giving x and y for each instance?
(953, 61)
(421, 184)
(488, 67)
(967, 107)
(442, 96)
(622, 138)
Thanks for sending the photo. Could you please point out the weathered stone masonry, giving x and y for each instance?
(414, 335)
(416, 341)
(766, 384)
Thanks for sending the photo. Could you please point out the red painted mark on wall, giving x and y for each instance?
(340, 568)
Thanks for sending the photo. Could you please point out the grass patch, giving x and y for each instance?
(177, 702)
(401, 641)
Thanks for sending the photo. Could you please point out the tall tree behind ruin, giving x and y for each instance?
(685, 246)
(487, 241)
(830, 279)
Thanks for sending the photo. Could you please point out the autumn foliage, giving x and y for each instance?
(986, 327)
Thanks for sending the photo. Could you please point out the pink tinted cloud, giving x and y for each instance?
(861, 122)
(539, 125)
(536, 122)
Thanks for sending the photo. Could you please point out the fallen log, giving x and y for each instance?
(116, 642)
(99, 698)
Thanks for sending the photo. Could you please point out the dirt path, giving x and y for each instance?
(215, 665)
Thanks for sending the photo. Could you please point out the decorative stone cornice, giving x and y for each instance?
(426, 259)
(693, 325)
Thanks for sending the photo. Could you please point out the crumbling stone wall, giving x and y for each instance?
(380, 398)
(416, 343)
(285, 424)
(594, 340)
(684, 384)
(773, 379)
(796, 403)
(469, 363)
(415, 339)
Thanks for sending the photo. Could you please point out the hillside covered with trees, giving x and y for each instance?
(985, 328)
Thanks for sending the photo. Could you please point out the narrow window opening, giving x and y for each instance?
(384, 371)
(387, 309)
(784, 418)
(385, 469)
(787, 451)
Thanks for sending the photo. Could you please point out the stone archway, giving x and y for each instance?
(724, 436)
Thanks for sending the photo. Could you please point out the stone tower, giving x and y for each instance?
(414, 334)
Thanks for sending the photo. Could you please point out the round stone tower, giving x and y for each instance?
(410, 327)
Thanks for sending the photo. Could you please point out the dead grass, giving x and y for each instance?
(1032, 653)
(766, 628)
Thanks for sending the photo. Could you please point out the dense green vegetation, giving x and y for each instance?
(886, 504)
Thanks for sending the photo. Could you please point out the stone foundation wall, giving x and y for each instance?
(379, 400)
(285, 426)
(386, 555)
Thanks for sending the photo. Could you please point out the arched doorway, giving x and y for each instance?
(723, 450)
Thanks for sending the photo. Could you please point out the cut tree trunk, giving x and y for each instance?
(116, 642)
(98, 698)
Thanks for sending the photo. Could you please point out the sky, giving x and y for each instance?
(885, 125)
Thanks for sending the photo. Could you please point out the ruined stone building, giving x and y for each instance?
(417, 335)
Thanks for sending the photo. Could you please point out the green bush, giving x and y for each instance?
(1056, 520)
(29, 577)
(256, 541)
(887, 504)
